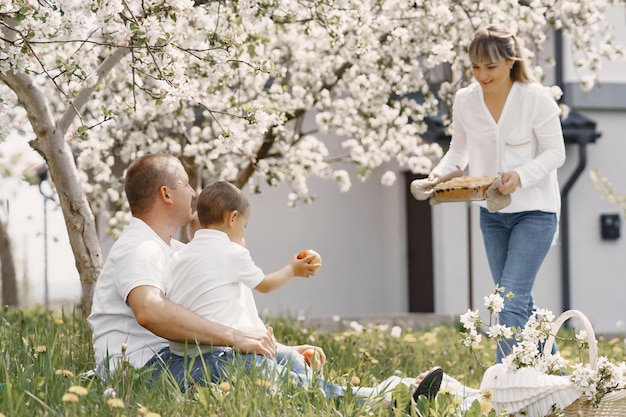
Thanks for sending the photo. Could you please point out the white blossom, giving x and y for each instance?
(357, 327)
(221, 83)
(471, 319)
(396, 331)
(494, 303)
(472, 339)
(499, 330)
(388, 178)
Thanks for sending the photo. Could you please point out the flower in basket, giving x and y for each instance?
(592, 382)
(596, 383)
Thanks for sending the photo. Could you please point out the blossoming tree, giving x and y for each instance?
(265, 91)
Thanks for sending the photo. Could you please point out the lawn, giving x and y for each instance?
(44, 355)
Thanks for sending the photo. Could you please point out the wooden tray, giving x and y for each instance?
(463, 189)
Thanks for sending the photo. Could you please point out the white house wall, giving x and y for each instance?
(362, 239)
(598, 267)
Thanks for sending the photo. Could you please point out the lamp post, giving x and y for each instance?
(42, 174)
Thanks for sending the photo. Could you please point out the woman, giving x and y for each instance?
(506, 125)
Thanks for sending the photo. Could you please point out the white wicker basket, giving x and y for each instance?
(527, 392)
(612, 404)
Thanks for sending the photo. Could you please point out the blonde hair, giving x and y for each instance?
(495, 43)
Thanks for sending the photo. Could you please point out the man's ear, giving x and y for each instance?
(164, 193)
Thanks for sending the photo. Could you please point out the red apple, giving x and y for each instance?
(313, 358)
(317, 259)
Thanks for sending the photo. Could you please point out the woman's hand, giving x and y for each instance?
(510, 182)
(432, 177)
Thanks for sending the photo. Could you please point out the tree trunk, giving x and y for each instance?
(79, 219)
(50, 143)
(9, 282)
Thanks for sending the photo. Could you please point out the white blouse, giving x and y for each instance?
(527, 138)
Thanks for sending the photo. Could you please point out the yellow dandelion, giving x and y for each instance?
(485, 406)
(115, 403)
(263, 383)
(355, 380)
(374, 361)
(41, 349)
(486, 394)
(429, 339)
(58, 321)
(342, 348)
(143, 411)
(224, 386)
(409, 338)
(78, 390)
(69, 397)
(2, 415)
(65, 372)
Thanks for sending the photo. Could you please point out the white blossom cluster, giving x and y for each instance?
(592, 382)
(270, 91)
(596, 383)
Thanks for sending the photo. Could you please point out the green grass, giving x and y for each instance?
(43, 354)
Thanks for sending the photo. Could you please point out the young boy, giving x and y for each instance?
(214, 276)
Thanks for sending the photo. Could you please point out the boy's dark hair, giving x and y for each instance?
(217, 200)
(145, 176)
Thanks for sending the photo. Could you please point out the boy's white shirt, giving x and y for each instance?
(214, 278)
(138, 257)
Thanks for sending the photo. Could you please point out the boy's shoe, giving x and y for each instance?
(428, 387)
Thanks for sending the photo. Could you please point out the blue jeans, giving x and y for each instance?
(217, 365)
(516, 245)
(187, 371)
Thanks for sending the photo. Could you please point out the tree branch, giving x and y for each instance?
(82, 97)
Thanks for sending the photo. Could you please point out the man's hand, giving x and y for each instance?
(174, 322)
(261, 342)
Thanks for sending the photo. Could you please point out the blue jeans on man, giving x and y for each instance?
(216, 365)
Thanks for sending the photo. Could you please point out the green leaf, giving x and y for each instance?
(402, 397)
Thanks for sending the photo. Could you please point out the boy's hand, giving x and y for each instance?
(306, 263)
